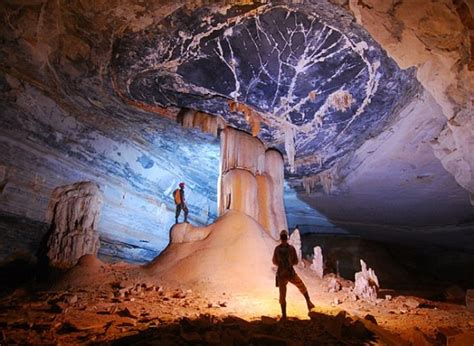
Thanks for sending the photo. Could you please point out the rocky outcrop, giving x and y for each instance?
(366, 285)
(74, 213)
(437, 38)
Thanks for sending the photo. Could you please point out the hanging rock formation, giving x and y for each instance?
(74, 212)
(318, 264)
(366, 283)
(251, 180)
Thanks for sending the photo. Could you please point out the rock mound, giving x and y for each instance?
(234, 253)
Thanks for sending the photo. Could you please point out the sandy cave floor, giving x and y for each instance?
(117, 304)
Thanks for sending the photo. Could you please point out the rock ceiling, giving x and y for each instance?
(317, 83)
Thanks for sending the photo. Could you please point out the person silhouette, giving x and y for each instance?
(285, 257)
(180, 202)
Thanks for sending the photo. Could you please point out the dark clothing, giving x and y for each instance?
(184, 208)
(285, 258)
(180, 204)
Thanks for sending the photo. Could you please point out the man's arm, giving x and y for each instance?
(293, 256)
(275, 257)
(181, 192)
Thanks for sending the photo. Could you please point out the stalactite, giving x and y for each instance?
(252, 117)
(310, 183)
(289, 136)
(205, 122)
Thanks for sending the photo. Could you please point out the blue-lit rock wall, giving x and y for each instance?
(137, 164)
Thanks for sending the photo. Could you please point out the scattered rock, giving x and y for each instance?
(126, 313)
(454, 336)
(388, 297)
(454, 294)
(370, 318)
(70, 298)
(268, 320)
(334, 285)
(417, 337)
(470, 299)
(411, 303)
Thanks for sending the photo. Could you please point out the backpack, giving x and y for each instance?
(177, 196)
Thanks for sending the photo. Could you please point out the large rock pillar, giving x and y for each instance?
(73, 212)
(251, 180)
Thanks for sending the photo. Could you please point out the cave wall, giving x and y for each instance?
(44, 145)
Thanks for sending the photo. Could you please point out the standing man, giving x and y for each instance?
(180, 202)
(285, 257)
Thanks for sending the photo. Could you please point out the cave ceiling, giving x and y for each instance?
(314, 81)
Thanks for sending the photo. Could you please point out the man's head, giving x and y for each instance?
(181, 185)
(284, 235)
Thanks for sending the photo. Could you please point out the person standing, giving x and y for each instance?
(180, 202)
(285, 257)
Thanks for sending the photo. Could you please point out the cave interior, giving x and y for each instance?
(348, 123)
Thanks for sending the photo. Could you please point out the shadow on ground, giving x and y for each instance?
(210, 330)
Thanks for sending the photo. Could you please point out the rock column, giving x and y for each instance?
(73, 212)
(251, 180)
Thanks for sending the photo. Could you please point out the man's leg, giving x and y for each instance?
(282, 287)
(296, 280)
(178, 211)
(185, 209)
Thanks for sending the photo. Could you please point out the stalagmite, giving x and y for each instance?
(295, 240)
(318, 265)
(366, 283)
(74, 212)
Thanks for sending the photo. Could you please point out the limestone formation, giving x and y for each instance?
(73, 212)
(238, 191)
(318, 264)
(241, 150)
(251, 180)
(295, 240)
(203, 121)
(366, 283)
